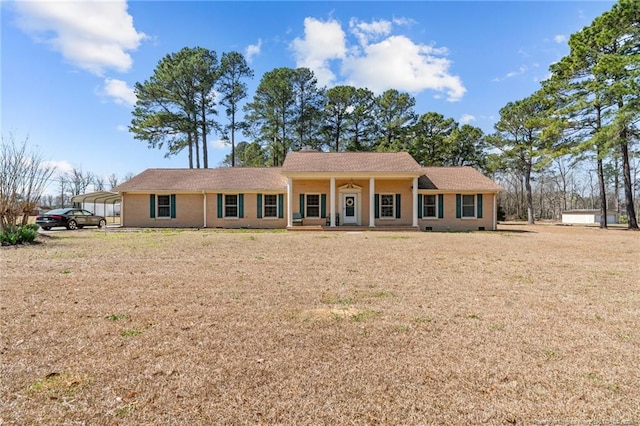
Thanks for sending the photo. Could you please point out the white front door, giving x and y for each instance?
(349, 208)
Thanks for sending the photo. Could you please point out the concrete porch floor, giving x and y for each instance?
(352, 228)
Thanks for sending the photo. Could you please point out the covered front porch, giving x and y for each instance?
(361, 202)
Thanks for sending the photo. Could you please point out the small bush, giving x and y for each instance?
(27, 235)
(32, 226)
(22, 234)
(8, 238)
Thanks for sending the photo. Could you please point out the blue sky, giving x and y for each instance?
(68, 68)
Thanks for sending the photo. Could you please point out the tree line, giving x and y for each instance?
(587, 110)
(77, 182)
(289, 111)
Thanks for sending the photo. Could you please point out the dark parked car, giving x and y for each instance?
(70, 219)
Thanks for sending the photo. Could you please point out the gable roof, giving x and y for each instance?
(219, 179)
(349, 162)
(456, 179)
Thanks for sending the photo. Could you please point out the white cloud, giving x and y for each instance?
(519, 71)
(397, 62)
(403, 21)
(322, 42)
(61, 167)
(560, 38)
(218, 144)
(523, 53)
(369, 31)
(93, 35)
(378, 60)
(467, 118)
(511, 74)
(122, 128)
(252, 50)
(119, 91)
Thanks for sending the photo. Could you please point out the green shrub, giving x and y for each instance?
(22, 234)
(8, 238)
(27, 234)
(32, 226)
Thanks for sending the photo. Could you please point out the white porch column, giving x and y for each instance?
(204, 209)
(415, 201)
(372, 202)
(121, 209)
(332, 202)
(289, 202)
(495, 211)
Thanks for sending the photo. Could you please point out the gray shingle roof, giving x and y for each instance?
(219, 179)
(456, 179)
(350, 162)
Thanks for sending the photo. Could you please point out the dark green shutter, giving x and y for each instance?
(152, 206)
(302, 205)
(219, 206)
(323, 205)
(172, 206)
(398, 213)
(259, 203)
(376, 202)
(241, 205)
(458, 206)
(479, 200)
(280, 206)
(420, 206)
(440, 206)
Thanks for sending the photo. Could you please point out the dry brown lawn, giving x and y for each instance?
(528, 325)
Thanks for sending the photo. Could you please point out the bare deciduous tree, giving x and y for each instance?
(113, 180)
(79, 181)
(98, 183)
(23, 178)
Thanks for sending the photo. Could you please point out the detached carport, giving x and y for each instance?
(99, 198)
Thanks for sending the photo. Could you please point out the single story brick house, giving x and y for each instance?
(312, 188)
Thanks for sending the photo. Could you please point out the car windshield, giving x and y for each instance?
(58, 211)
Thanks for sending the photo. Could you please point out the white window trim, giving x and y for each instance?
(475, 206)
(393, 205)
(264, 208)
(306, 206)
(158, 207)
(424, 216)
(224, 206)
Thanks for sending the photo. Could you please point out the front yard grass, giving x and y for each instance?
(527, 325)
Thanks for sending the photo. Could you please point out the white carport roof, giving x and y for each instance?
(101, 197)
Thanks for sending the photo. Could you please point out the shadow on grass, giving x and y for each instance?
(506, 228)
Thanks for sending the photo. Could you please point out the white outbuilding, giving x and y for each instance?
(587, 217)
